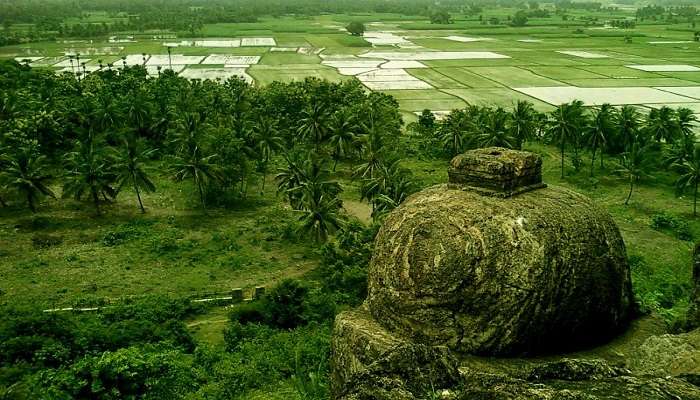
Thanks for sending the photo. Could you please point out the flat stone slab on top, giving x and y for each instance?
(497, 171)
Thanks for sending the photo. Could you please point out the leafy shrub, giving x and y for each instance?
(40, 339)
(251, 312)
(284, 305)
(259, 354)
(45, 240)
(344, 262)
(126, 373)
(668, 222)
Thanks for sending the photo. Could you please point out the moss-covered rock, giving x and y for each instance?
(536, 272)
(379, 365)
(694, 309)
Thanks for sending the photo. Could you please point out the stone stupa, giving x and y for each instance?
(493, 264)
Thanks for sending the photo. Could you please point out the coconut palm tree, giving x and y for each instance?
(26, 172)
(388, 188)
(89, 172)
(130, 159)
(314, 124)
(635, 165)
(661, 124)
(289, 179)
(494, 130)
(627, 122)
(341, 131)
(599, 130)
(565, 122)
(320, 216)
(372, 153)
(685, 122)
(455, 130)
(191, 161)
(690, 176)
(269, 141)
(522, 123)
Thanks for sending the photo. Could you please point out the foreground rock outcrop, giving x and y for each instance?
(368, 362)
(497, 264)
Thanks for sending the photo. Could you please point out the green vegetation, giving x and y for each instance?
(139, 194)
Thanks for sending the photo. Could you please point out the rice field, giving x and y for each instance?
(438, 67)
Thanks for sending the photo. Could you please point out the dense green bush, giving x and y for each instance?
(344, 263)
(667, 222)
(32, 340)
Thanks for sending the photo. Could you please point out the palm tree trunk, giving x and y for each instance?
(2, 202)
(630, 193)
(262, 190)
(96, 200)
(201, 195)
(562, 160)
(593, 160)
(138, 196)
(30, 201)
(695, 199)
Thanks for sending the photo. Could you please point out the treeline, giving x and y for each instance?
(50, 15)
(640, 145)
(657, 12)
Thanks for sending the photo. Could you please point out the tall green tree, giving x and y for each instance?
(566, 122)
(600, 129)
(493, 131)
(313, 125)
(90, 172)
(28, 173)
(690, 177)
(661, 124)
(627, 121)
(456, 129)
(266, 135)
(686, 122)
(320, 215)
(341, 131)
(522, 123)
(192, 161)
(635, 166)
(131, 169)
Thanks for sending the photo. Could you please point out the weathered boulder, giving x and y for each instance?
(370, 363)
(509, 267)
(694, 309)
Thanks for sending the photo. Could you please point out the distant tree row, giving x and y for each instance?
(663, 139)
